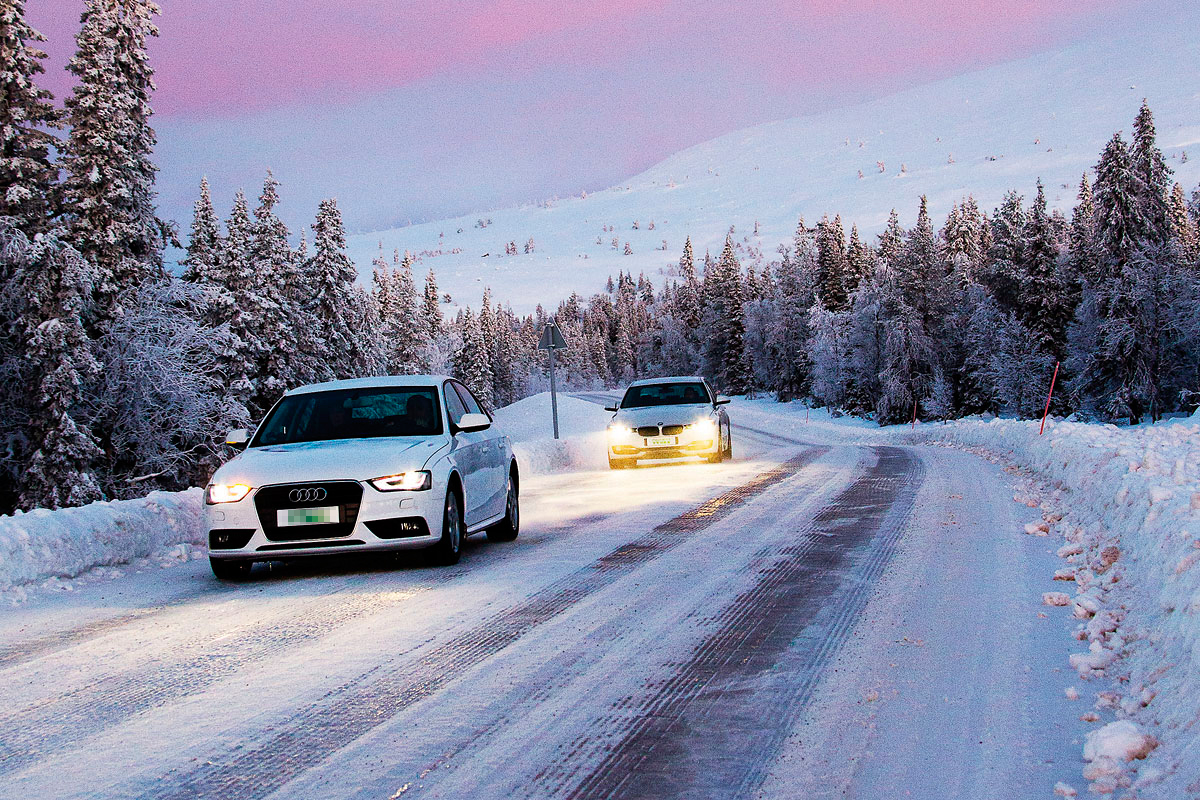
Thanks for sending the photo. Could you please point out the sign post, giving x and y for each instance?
(552, 339)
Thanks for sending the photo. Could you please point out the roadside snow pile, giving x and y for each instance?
(1127, 503)
(45, 545)
(581, 424)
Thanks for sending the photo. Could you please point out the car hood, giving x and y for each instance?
(663, 415)
(344, 459)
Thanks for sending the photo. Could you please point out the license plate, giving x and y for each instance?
(308, 516)
(661, 441)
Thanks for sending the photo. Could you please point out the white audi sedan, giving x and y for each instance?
(668, 419)
(369, 464)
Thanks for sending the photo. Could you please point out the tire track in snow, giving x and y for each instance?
(714, 727)
(371, 699)
(59, 721)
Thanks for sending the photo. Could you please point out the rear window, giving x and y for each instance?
(665, 394)
(352, 414)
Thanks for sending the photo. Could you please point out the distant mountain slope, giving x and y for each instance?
(982, 133)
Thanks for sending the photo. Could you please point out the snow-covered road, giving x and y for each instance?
(817, 618)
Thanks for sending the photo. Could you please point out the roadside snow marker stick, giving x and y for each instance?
(914, 422)
(1046, 413)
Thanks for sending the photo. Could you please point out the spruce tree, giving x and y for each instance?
(1045, 304)
(471, 365)
(726, 326)
(331, 275)
(860, 260)
(204, 244)
(431, 309)
(61, 455)
(27, 114)
(108, 184)
(833, 287)
(1002, 275)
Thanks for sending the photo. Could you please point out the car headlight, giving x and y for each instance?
(415, 481)
(618, 431)
(225, 492)
(704, 426)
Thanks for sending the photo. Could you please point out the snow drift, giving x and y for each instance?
(1127, 503)
(67, 542)
(581, 424)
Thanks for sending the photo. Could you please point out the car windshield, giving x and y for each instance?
(352, 414)
(665, 394)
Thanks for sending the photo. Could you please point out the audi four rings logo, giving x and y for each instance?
(307, 495)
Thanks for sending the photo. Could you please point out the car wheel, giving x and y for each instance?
(728, 444)
(507, 529)
(448, 549)
(226, 570)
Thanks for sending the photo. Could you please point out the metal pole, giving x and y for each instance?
(1046, 413)
(553, 394)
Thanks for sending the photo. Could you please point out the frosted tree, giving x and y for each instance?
(58, 451)
(108, 182)
(833, 266)
(26, 117)
(1045, 299)
(1002, 275)
(829, 352)
(918, 269)
(204, 243)
(860, 259)
(725, 326)
(891, 241)
(331, 275)
(471, 365)
(278, 279)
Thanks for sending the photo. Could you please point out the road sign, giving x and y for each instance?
(552, 339)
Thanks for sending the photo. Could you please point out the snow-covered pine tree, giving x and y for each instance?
(1154, 179)
(204, 243)
(860, 258)
(1085, 258)
(891, 241)
(1184, 229)
(331, 275)
(833, 267)
(108, 183)
(1002, 274)
(471, 365)
(829, 353)
(918, 271)
(725, 325)
(278, 278)
(58, 453)
(961, 243)
(1045, 299)
(27, 115)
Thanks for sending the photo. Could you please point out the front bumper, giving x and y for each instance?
(692, 442)
(385, 521)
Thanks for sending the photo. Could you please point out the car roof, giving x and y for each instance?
(671, 379)
(375, 382)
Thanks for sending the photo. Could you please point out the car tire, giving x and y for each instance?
(233, 571)
(448, 549)
(728, 455)
(507, 529)
(621, 463)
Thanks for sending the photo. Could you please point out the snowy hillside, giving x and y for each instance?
(982, 133)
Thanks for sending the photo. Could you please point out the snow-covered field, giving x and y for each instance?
(983, 133)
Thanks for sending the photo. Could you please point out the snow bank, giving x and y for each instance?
(1127, 503)
(581, 424)
(44, 545)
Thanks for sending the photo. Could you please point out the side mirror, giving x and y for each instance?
(721, 400)
(610, 408)
(238, 438)
(474, 422)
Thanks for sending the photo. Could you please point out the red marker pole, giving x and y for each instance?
(914, 422)
(1046, 413)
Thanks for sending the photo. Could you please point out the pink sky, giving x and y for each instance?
(575, 94)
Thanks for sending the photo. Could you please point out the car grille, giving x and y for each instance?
(648, 430)
(308, 545)
(346, 495)
(672, 430)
